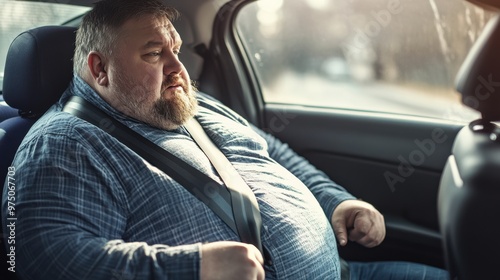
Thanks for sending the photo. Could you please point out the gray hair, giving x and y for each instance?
(99, 28)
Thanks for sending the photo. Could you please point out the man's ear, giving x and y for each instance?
(97, 66)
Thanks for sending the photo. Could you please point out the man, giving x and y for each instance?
(90, 208)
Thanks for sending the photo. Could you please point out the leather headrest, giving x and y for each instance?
(491, 5)
(479, 77)
(39, 68)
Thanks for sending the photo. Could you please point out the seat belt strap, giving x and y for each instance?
(217, 197)
(245, 207)
(210, 192)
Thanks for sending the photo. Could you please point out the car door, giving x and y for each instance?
(363, 90)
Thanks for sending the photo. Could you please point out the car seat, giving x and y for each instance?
(38, 69)
(6, 112)
(469, 193)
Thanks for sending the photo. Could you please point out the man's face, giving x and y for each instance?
(146, 79)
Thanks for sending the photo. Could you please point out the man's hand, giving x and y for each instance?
(360, 222)
(231, 260)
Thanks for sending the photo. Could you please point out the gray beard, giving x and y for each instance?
(175, 111)
(164, 113)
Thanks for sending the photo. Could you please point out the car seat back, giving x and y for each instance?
(6, 112)
(38, 69)
(469, 194)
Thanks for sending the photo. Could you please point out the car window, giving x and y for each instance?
(393, 56)
(18, 16)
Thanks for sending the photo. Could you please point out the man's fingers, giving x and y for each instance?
(366, 232)
(258, 255)
(369, 240)
(358, 221)
(231, 260)
(359, 236)
(261, 274)
(340, 231)
(362, 226)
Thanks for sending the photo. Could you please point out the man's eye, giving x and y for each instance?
(155, 54)
(177, 52)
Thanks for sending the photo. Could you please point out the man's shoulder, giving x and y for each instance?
(56, 124)
(209, 104)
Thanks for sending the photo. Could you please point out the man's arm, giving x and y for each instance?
(71, 216)
(350, 218)
(328, 193)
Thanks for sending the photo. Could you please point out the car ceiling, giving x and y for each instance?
(203, 11)
(195, 26)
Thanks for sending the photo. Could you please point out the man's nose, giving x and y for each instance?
(172, 65)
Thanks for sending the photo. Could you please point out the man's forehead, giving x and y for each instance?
(150, 26)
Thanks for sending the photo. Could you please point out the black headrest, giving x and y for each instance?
(39, 68)
(479, 77)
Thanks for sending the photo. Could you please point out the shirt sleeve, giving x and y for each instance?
(71, 215)
(328, 193)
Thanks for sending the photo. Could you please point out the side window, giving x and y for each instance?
(19, 16)
(392, 56)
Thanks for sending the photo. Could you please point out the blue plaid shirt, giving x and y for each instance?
(88, 207)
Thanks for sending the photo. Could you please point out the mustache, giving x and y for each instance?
(175, 80)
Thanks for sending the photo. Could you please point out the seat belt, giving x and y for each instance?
(245, 207)
(229, 204)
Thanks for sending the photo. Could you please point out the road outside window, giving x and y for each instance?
(392, 56)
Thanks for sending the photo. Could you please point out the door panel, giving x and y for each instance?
(393, 162)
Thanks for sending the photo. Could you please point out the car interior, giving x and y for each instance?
(468, 191)
(439, 210)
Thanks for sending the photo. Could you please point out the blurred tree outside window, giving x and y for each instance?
(393, 56)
